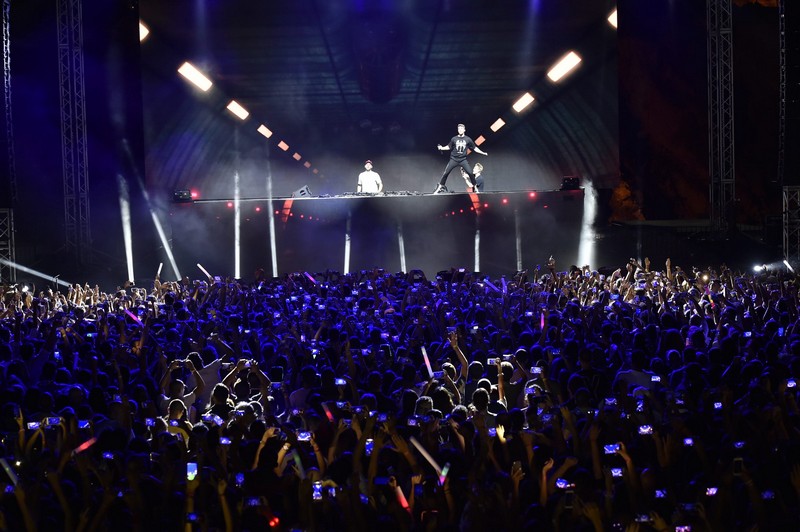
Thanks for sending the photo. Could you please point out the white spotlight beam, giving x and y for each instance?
(35, 273)
(564, 66)
(188, 71)
(237, 228)
(125, 215)
(143, 32)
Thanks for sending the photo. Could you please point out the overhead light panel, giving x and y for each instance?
(564, 66)
(143, 32)
(188, 71)
(282, 145)
(612, 19)
(297, 156)
(524, 101)
(264, 130)
(497, 125)
(238, 110)
(480, 140)
(307, 164)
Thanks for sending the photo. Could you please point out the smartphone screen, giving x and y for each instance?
(316, 491)
(191, 471)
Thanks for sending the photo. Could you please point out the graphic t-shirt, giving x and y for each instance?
(458, 147)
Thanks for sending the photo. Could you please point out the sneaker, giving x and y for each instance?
(439, 189)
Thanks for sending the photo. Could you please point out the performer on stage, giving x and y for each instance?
(458, 147)
(476, 171)
(369, 180)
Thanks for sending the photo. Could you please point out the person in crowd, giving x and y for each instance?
(630, 399)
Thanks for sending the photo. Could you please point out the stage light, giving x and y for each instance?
(258, 209)
(531, 195)
(282, 145)
(497, 125)
(758, 268)
(307, 164)
(564, 66)
(302, 192)
(612, 19)
(570, 182)
(238, 110)
(195, 194)
(230, 204)
(480, 140)
(182, 196)
(188, 71)
(523, 102)
(264, 130)
(315, 171)
(505, 201)
(297, 156)
(143, 32)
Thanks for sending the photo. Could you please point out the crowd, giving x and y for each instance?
(638, 399)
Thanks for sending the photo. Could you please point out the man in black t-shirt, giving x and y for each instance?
(458, 147)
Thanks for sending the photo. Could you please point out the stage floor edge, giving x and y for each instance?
(494, 233)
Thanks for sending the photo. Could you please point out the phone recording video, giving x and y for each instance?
(611, 448)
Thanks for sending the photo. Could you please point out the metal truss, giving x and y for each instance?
(781, 93)
(720, 113)
(12, 172)
(791, 224)
(74, 150)
(8, 273)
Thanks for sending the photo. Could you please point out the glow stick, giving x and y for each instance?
(85, 445)
(427, 362)
(401, 498)
(541, 322)
(310, 278)
(158, 273)
(443, 474)
(298, 463)
(328, 412)
(14, 479)
(425, 453)
(505, 287)
(490, 285)
(133, 316)
(204, 270)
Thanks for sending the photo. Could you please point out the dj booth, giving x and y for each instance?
(492, 232)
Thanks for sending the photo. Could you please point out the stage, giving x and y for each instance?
(494, 232)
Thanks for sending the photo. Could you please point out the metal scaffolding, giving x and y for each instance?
(74, 150)
(8, 273)
(12, 173)
(720, 114)
(781, 93)
(791, 224)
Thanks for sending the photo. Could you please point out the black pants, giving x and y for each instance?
(451, 164)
